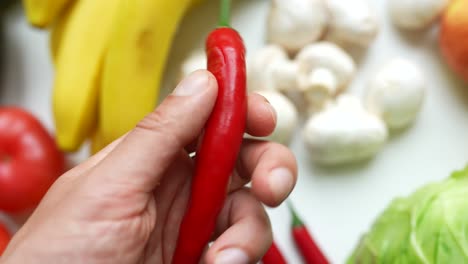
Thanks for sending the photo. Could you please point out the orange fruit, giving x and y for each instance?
(453, 37)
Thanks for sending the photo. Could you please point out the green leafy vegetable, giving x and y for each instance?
(430, 226)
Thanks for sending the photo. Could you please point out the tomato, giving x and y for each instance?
(453, 37)
(29, 160)
(5, 237)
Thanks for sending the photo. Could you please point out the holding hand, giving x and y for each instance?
(125, 204)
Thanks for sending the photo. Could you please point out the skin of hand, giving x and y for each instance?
(124, 204)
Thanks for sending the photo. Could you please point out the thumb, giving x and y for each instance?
(142, 157)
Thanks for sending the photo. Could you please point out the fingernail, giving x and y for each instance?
(193, 84)
(273, 111)
(281, 183)
(264, 98)
(232, 256)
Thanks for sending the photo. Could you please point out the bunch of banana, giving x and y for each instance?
(41, 13)
(109, 57)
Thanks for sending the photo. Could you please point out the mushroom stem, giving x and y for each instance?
(321, 84)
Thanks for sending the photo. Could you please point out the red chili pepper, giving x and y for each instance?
(5, 237)
(309, 250)
(273, 255)
(219, 147)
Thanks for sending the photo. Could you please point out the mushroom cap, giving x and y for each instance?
(396, 93)
(287, 117)
(295, 23)
(344, 133)
(352, 22)
(271, 69)
(325, 55)
(260, 67)
(415, 14)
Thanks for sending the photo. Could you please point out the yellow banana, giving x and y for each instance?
(56, 33)
(97, 142)
(83, 42)
(42, 13)
(135, 62)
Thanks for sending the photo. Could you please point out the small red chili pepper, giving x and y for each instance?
(309, 250)
(5, 237)
(273, 255)
(220, 144)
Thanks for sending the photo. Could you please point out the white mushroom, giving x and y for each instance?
(344, 133)
(286, 117)
(352, 22)
(296, 23)
(271, 69)
(194, 61)
(324, 71)
(415, 14)
(396, 93)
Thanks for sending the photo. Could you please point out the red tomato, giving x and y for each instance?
(29, 160)
(4, 238)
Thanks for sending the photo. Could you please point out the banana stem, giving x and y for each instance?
(225, 13)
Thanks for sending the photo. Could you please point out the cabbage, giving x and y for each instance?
(429, 226)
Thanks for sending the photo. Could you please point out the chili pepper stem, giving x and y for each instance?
(304, 241)
(225, 13)
(296, 220)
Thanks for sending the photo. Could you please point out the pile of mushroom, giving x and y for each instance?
(304, 71)
(271, 69)
(352, 22)
(319, 72)
(396, 93)
(415, 14)
(344, 132)
(287, 118)
(295, 23)
(324, 70)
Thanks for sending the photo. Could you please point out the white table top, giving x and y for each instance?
(338, 204)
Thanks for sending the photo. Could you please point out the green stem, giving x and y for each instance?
(225, 13)
(296, 221)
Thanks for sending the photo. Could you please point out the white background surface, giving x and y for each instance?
(338, 204)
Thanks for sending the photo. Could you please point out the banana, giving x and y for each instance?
(56, 33)
(135, 62)
(41, 13)
(96, 142)
(83, 42)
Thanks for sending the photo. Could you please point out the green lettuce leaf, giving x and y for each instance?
(430, 227)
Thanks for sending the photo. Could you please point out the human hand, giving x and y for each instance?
(125, 204)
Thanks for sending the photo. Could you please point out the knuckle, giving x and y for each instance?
(155, 121)
(259, 213)
(287, 155)
(161, 123)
